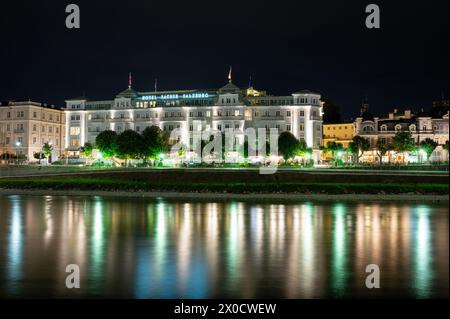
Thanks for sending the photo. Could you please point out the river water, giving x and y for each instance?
(158, 248)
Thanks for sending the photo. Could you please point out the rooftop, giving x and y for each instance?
(28, 103)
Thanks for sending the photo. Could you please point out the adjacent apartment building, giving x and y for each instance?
(26, 126)
(433, 124)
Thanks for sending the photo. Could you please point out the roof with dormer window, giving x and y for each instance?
(229, 88)
(129, 92)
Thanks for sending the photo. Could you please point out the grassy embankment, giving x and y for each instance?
(111, 184)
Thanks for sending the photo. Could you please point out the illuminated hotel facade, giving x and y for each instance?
(228, 108)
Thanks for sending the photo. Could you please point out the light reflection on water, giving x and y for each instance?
(143, 248)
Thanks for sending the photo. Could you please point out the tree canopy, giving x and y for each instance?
(155, 142)
(289, 146)
(358, 146)
(106, 143)
(130, 145)
(428, 145)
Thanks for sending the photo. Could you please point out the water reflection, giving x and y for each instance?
(178, 249)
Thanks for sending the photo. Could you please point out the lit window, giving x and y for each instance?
(75, 130)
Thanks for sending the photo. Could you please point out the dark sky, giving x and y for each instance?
(284, 45)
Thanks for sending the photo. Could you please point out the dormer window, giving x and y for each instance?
(383, 128)
(398, 128)
(412, 127)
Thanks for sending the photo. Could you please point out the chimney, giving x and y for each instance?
(407, 114)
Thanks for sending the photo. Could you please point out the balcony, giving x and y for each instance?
(97, 119)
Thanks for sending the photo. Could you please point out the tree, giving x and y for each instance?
(106, 143)
(428, 145)
(336, 150)
(403, 142)
(331, 113)
(130, 145)
(382, 149)
(39, 156)
(358, 146)
(288, 145)
(304, 150)
(47, 150)
(155, 142)
(86, 150)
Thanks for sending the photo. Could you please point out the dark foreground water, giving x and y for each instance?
(143, 248)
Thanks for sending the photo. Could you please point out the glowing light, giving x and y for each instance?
(15, 245)
(339, 250)
(422, 254)
(175, 96)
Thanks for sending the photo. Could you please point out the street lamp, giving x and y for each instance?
(18, 144)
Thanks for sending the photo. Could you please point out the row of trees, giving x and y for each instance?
(153, 142)
(130, 144)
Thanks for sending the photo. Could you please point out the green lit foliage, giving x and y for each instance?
(289, 146)
(336, 150)
(130, 145)
(106, 143)
(47, 150)
(86, 150)
(403, 142)
(358, 146)
(428, 145)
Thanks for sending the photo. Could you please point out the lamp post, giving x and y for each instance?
(18, 145)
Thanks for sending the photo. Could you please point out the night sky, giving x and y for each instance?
(284, 46)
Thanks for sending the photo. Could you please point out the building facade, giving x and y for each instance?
(422, 125)
(339, 133)
(26, 126)
(228, 108)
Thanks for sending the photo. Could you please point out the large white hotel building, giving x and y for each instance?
(195, 110)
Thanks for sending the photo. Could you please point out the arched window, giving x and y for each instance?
(368, 129)
(398, 127)
(384, 127)
(412, 127)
